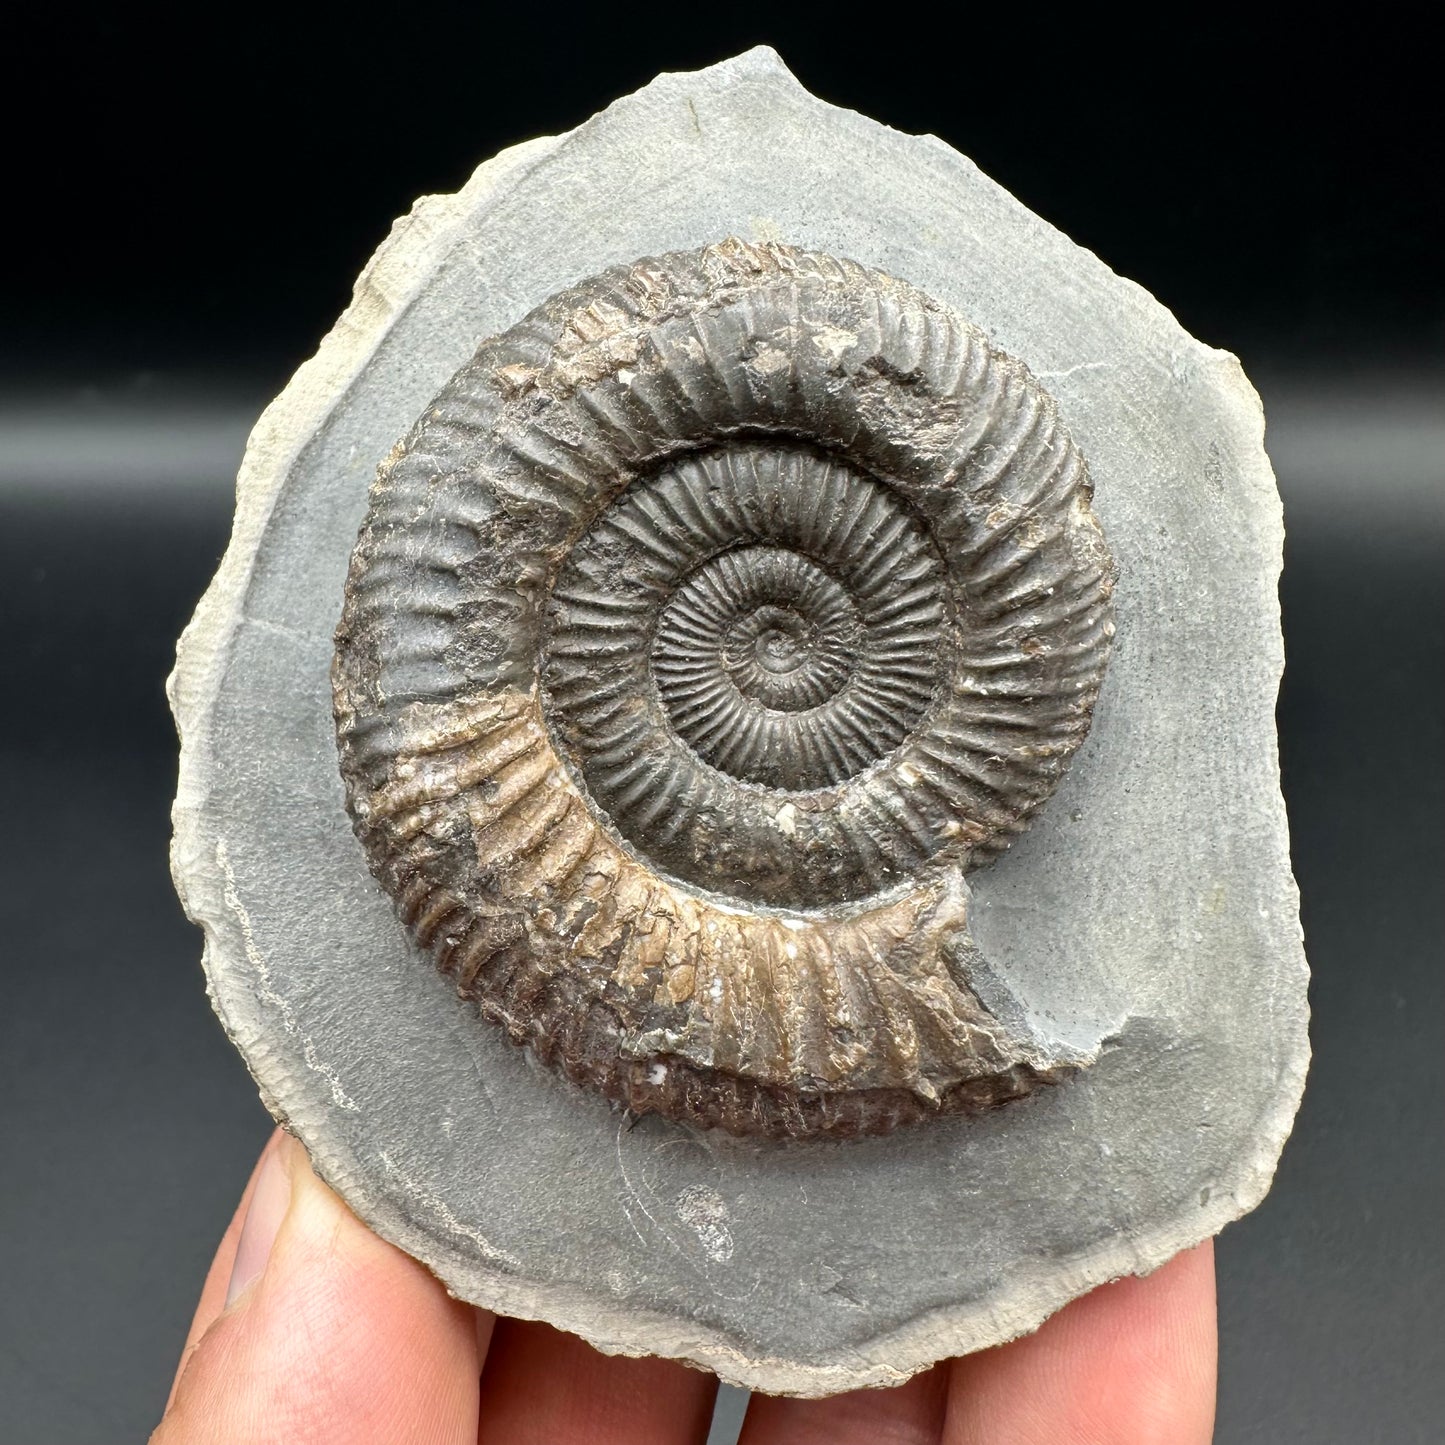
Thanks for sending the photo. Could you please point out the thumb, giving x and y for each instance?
(328, 1333)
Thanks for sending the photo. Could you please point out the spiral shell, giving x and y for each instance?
(705, 631)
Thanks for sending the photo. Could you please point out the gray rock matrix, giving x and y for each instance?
(1147, 919)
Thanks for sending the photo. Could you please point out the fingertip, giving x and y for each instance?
(909, 1414)
(1133, 1360)
(215, 1287)
(270, 1196)
(331, 1333)
(545, 1387)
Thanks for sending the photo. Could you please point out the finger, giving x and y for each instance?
(1132, 1363)
(330, 1335)
(910, 1414)
(213, 1292)
(543, 1387)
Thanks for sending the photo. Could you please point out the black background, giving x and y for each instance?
(188, 203)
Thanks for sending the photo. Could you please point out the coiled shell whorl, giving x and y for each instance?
(705, 631)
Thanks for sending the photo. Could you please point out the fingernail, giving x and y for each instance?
(269, 1201)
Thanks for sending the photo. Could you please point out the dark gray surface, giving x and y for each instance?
(128, 1124)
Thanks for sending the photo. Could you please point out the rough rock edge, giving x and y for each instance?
(383, 291)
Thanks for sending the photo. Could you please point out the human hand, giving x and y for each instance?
(312, 1331)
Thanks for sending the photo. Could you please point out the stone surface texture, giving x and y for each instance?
(1147, 919)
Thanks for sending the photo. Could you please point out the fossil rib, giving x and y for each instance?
(709, 626)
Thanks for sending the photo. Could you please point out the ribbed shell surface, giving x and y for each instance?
(705, 631)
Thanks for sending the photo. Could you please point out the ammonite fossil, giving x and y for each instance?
(708, 628)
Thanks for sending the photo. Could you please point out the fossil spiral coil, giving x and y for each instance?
(707, 629)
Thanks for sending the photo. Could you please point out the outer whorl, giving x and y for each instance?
(710, 625)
